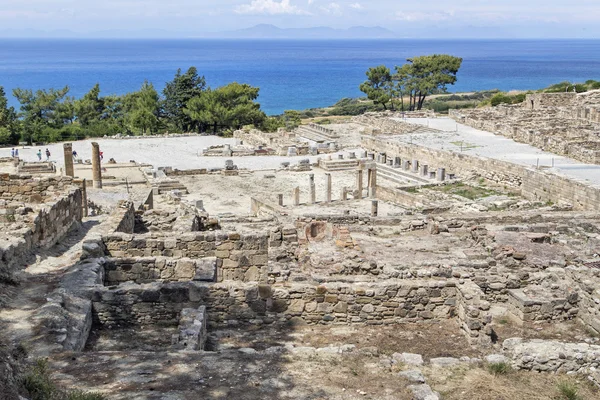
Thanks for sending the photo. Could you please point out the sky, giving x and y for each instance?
(433, 18)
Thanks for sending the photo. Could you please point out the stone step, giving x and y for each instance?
(338, 165)
(399, 176)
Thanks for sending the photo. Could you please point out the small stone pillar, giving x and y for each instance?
(373, 183)
(68, 152)
(344, 194)
(415, 166)
(84, 197)
(374, 208)
(227, 152)
(352, 155)
(390, 162)
(397, 162)
(292, 151)
(296, 196)
(340, 156)
(441, 174)
(371, 156)
(96, 167)
(424, 170)
(405, 165)
(359, 180)
(328, 188)
(200, 204)
(313, 194)
(280, 198)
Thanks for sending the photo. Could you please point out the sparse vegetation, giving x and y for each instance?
(500, 368)
(568, 391)
(39, 386)
(467, 191)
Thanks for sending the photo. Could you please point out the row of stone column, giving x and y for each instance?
(96, 167)
(413, 166)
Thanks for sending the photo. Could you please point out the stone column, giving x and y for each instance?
(359, 181)
(441, 174)
(373, 183)
(280, 198)
(405, 166)
(84, 197)
(424, 170)
(328, 188)
(344, 195)
(415, 166)
(374, 208)
(68, 152)
(296, 196)
(313, 194)
(96, 167)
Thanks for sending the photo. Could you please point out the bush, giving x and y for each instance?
(500, 368)
(568, 391)
(500, 98)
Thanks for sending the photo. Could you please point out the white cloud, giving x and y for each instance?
(270, 7)
(356, 6)
(424, 16)
(332, 8)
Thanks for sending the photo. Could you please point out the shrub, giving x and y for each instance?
(568, 391)
(500, 368)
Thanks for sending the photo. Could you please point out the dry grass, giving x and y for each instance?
(480, 384)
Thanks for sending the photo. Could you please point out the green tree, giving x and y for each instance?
(228, 107)
(177, 93)
(90, 107)
(9, 133)
(379, 86)
(291, 119)
(40, 110)
(426, 75)
(142, 108)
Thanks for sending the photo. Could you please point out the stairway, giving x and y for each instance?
(399, 176)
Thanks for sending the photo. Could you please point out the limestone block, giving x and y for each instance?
(206, 269)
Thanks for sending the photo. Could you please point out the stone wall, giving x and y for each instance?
(536, 101)
(473, 314)
(545, 186)
(164, 269)
(528, 307)
(243, 257)
(48, 225)
(26, 188)
(552, 356)
(588, 280)
(535, 184)
(458, 163)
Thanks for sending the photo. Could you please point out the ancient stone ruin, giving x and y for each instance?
(382, 266)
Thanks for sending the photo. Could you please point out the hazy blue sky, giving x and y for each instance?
(513, 18)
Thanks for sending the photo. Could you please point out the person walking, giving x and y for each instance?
(47, 154)
(39, 154)
(12, 152)
(17, 153)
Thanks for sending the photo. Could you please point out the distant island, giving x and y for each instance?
(266, 31)
(261, 31)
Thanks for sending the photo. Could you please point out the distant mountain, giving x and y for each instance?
(265, 31)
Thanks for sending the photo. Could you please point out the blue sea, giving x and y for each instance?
(291, 74)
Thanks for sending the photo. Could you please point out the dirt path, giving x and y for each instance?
(37, 280)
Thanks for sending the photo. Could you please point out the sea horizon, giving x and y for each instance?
(291, 73)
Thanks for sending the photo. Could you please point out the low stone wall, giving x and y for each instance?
(588, 280)
(529, 308)
(402, 197)
(545, 186)
(243, 257)
(26, 188)
(164, 269)
(50, 224)
(552, 356)
(473, 314)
